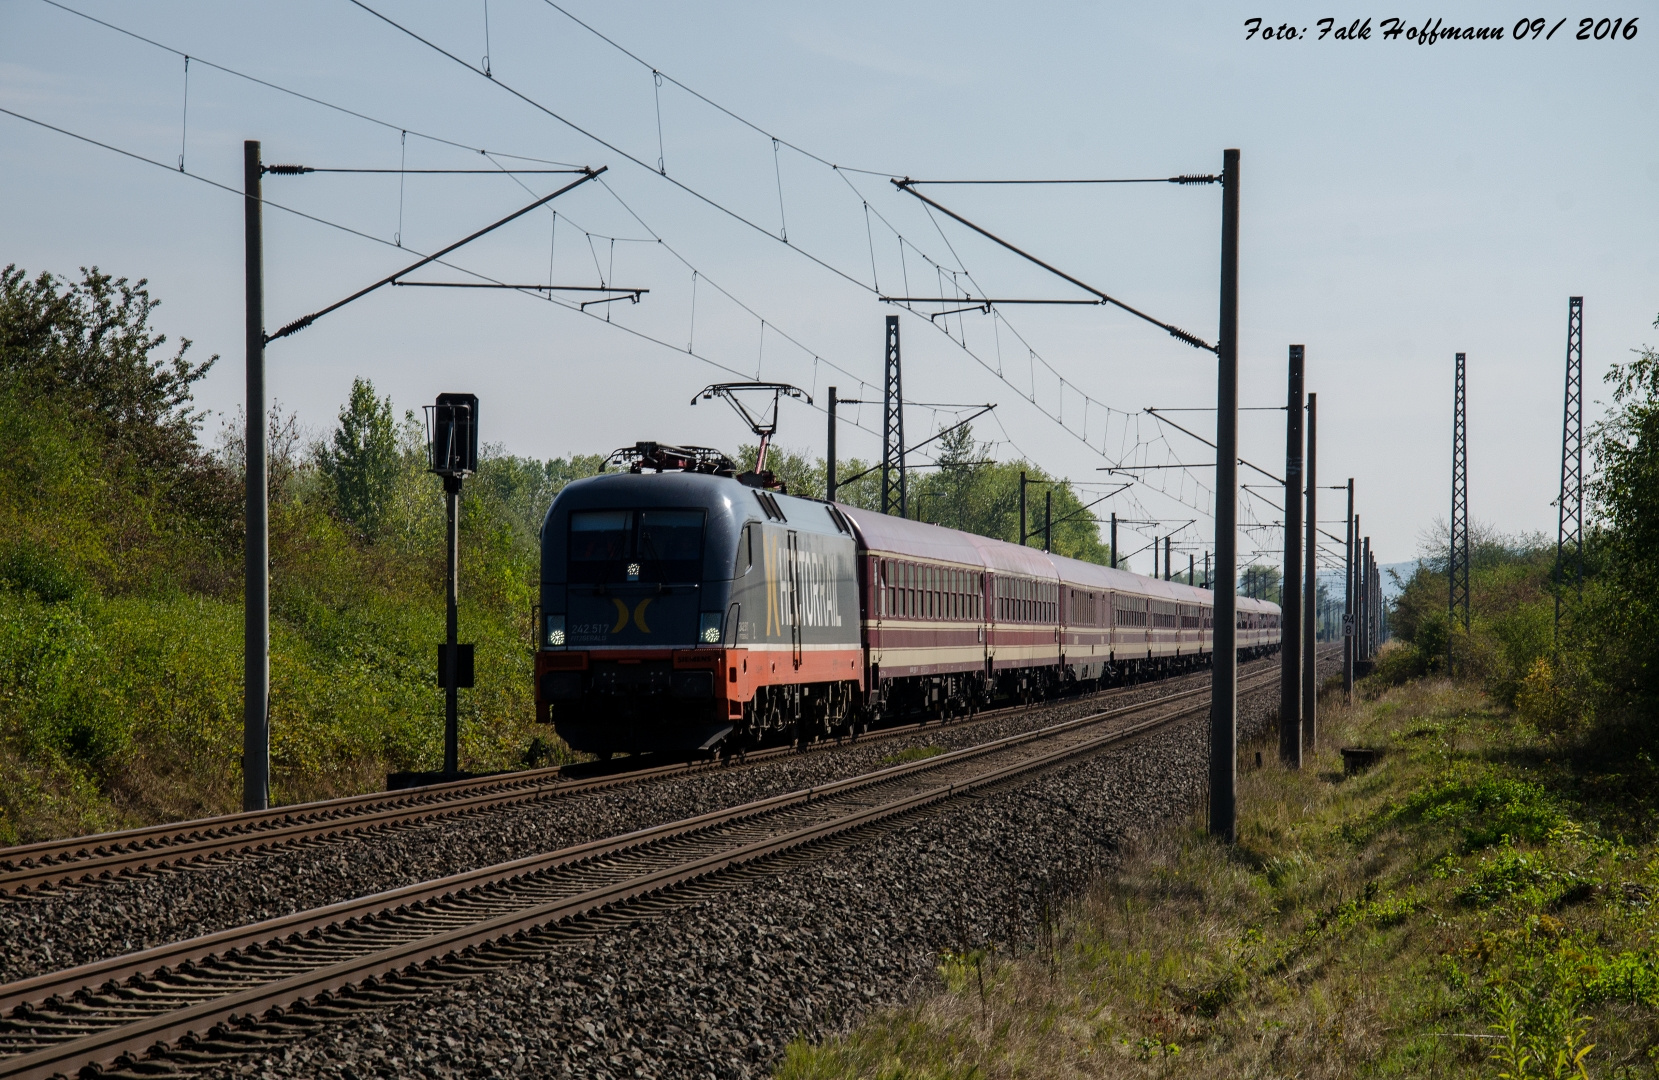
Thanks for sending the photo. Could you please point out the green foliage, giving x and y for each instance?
(912, 753)
(1510, 873)
(1512, 612)
(1490, 810)
(361, 461)
(1618, 620)
(89, 346)
(120, 604)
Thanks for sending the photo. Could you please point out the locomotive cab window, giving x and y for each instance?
(635, 545)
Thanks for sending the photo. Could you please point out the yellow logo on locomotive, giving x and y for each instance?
(638, 613)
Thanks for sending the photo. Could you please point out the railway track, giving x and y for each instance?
(91, 859)
(380, 947)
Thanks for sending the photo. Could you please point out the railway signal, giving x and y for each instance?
(452, 429)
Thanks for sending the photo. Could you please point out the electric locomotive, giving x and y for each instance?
(681, 606)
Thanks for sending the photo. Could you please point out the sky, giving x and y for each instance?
(1400, 202)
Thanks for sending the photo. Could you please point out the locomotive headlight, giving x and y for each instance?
(553, 634)
(708, 631)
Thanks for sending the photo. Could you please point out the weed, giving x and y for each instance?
(912, 753)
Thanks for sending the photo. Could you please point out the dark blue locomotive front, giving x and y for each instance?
(681, 607)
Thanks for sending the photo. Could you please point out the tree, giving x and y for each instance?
(1620, 620)
(89, 345)
(82, 358)
(1263, 581)
(361, 464)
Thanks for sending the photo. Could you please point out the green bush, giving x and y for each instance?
(120, 572)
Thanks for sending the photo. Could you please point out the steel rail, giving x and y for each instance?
(68, 1054)
(156, 847)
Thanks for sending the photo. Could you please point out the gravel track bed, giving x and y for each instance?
(51, 930)
(719, 987)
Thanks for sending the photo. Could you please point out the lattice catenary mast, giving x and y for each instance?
(892, 427)
(1457, 559)
(1569, 542)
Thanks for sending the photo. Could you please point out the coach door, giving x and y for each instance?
(795, 597)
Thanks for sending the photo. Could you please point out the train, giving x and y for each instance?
(685, 608)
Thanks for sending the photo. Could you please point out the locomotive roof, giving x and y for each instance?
(731, 500)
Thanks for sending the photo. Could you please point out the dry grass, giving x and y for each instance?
(1414, 920)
